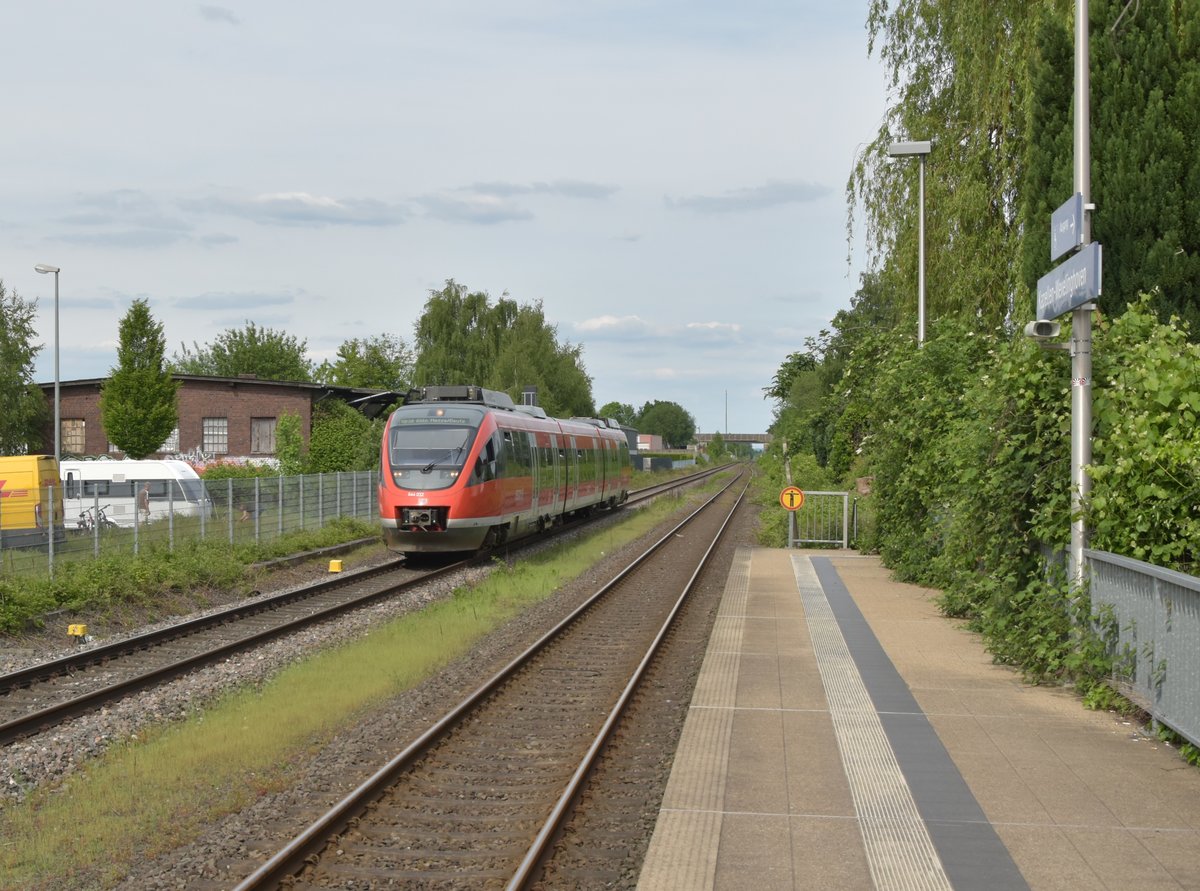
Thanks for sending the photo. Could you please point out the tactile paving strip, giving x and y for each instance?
(899, 850)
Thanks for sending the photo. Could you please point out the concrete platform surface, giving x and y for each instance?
(844, 735)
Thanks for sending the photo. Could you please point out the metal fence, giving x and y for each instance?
(824, 519)
(1156, 619)
(236, 511)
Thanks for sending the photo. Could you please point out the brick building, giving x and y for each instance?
(219, 417)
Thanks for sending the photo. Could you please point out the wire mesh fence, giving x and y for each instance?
(235, 511)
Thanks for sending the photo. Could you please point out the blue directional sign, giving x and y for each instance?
(1071, 284)
(1066, 227)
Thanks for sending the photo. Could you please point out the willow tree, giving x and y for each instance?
(992, 86)
(958, 75)
(463, 338)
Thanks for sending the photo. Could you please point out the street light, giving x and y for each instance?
(45, 267)
(920, 149)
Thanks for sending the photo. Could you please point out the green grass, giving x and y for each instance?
(151, 794)
(99, 585)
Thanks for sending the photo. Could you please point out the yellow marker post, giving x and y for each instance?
(335, 565)
(77, 630)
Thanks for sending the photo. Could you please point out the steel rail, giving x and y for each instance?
(296, 854)
(536, 854)
(42, 719)
(73, 662)
(35, 722)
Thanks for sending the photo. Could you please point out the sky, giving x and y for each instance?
(667, 178)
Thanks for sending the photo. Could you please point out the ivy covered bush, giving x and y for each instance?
(968, 441)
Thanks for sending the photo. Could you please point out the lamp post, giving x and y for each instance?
(44, 268)
(920, 149)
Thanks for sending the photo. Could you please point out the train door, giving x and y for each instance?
(550, 494)
(529, 452)
(608, 450)
(571, 471)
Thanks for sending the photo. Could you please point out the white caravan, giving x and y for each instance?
(113, 486)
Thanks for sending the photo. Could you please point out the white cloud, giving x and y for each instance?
(613, 327)
(303, 209)
(219, 14)
(322, 173)
(473, 207)
(773, 194)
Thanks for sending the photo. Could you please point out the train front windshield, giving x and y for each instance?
(428, 445)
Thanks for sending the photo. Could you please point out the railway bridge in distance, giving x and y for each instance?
(762, 439)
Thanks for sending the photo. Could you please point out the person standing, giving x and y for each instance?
(144, 503)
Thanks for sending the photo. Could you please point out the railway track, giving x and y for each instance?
(478, 799)
(42, 696)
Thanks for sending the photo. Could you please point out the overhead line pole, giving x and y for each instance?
(1081, 317)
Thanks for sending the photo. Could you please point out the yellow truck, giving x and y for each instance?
(25, 507)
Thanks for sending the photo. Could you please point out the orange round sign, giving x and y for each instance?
(791, 498)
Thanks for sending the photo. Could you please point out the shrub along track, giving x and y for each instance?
(478, 798)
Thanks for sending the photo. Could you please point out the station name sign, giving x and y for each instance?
(1071, 284)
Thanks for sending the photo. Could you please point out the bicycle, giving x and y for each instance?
(91, 516)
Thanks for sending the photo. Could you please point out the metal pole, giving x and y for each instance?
(46, 269)
(57, 397)
(846, 521)
(50, 540)
(1081, 317)
(921, 253)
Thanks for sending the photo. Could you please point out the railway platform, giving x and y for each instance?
(844, 735)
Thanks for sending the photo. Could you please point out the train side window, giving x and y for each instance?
(485, 465)
(508, 457)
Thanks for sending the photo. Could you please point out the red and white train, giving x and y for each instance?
(464, 468)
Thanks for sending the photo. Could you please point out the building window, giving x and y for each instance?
(171, 445)
(73, 439)
(216, 436)
(262, 436)
(113, 448)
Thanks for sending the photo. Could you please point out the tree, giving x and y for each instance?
(264, 352)
(668, 420)
(454, 339)
(383, 362)
(958, 72)
(462, 338)
(137, 402)
(795, 365)
(717, 449)
(22, 405)
(621, 412)
(289, 444)
(530, 355)
(1145, 155)
(991, 86)
(342, 439)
